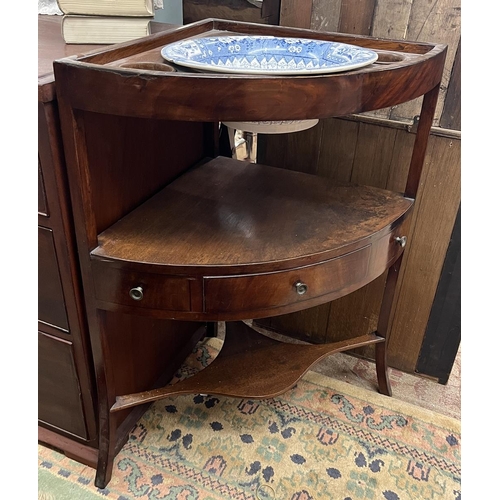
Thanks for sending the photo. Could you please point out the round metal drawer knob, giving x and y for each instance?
(136, 293)
(300, 288)
(401, 240)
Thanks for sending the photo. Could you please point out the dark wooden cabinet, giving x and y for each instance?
(67, 389)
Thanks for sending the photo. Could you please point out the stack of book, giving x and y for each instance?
(106, 21)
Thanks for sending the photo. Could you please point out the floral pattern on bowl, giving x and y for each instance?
(267, 55)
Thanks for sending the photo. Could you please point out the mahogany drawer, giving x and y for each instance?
(256, 292)
(152, 291)
(51, 303)
(244, 295)
(60, 402)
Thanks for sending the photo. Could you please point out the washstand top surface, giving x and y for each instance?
(134, 79)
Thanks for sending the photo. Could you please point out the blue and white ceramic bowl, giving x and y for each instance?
(267, 55)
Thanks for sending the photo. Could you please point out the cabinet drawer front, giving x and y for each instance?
(169, 293)
(59, 394)
(272, 290)
(51, 305)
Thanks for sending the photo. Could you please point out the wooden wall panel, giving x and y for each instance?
(325, 15)
(357, 314)
(400, 161)
(270, 11)
(442, 335)
(435, 212)
(437, 22)
(302, 150)
(297, 151)
(451, 116)
(338, 148)
(356, 16)
(296, 13)
(390, 19)
(309, 325)
(271, 149)
(373, 159)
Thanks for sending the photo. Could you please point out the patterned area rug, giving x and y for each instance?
(324, 439)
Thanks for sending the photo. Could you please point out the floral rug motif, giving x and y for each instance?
(323, 439)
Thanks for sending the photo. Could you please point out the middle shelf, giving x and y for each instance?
(232, 240)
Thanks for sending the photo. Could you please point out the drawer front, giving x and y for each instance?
(152, 291)
(387, 249)
(51, 305)
(263, 291)
(59, 395)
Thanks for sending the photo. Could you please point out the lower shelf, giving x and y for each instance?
(249, 365)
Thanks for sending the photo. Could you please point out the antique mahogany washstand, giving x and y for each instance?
(168, 229)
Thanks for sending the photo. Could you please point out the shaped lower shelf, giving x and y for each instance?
(249, 365)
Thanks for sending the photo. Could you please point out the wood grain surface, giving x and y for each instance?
(228, 216)
(249, 365)
(209, 97)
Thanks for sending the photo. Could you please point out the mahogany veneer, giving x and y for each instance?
(236, 249)
(403, 72)
(168, 229)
